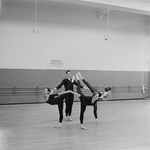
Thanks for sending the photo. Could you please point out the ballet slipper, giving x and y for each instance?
(70, 119)
(57, 126)
(73, 78)
(83, 127)
(97, 121)
(77, 76)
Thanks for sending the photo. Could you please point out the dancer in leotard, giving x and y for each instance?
(89, 100)
(57, 99)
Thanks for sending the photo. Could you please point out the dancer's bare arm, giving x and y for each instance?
(75, 93)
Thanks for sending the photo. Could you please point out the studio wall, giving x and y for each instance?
(74, 36)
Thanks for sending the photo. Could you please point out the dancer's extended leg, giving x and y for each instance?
(95, 112)
(79, 86)
(82, 99)
(60, 109)
(92, 89)
(83, 108)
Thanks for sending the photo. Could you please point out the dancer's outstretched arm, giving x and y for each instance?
(103, 96)
(64, 92)
(75, 93)
(89, 87)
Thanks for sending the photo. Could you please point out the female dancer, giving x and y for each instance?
(57, 99)
(89, 100)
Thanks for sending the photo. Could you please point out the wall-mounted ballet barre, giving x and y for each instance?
(14, 91)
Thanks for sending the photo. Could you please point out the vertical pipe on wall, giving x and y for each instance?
(148, 79)
(37, 91)
(149, 59)
(113, 91)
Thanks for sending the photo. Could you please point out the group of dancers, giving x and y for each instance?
(53, 98)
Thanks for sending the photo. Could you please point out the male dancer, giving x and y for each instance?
(69, 98)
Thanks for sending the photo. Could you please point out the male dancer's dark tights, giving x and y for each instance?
(69, 103)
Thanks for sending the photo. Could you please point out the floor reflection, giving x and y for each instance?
(4, 139)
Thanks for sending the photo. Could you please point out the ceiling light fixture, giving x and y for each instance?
(108, 36)
(35, 29)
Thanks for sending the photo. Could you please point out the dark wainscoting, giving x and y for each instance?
(26, 85)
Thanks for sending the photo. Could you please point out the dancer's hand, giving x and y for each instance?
(102, 98)
(73, 78)
(54, 89)
(75, 93)
(71, 91)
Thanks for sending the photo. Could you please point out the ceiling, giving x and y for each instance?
(131, 6)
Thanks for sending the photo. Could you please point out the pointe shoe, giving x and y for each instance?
(70, 119)
(57, 126)
(79, 74)
(83, 127)
(73, 78)
(97, 121)
(67, 119)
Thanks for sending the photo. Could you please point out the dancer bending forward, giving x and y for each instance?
(57, 99)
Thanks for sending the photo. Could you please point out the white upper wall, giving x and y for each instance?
(136, 6)
(72, 35)
(141, 5)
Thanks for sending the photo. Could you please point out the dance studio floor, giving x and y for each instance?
(123, 125)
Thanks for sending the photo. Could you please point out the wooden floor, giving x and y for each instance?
(123, 125)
